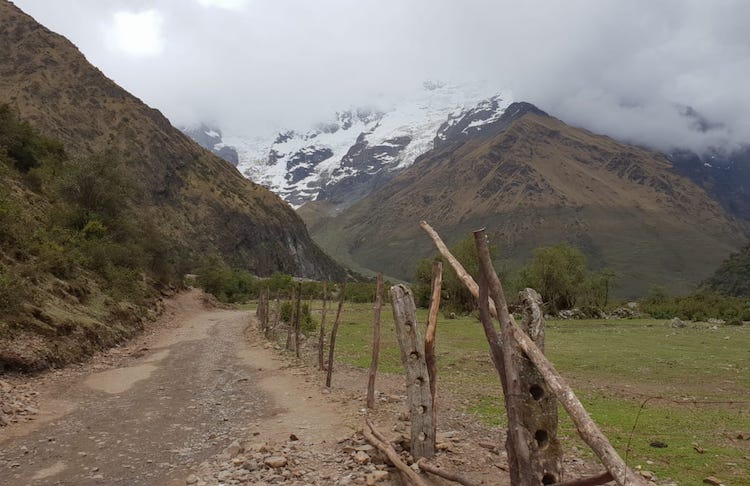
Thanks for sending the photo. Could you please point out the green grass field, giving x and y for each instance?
(641, 380)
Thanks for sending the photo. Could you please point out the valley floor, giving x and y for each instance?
(202, 398)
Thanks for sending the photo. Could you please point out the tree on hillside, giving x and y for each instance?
(733, 275)
(455, 297)
(558, 273)
(598, 287)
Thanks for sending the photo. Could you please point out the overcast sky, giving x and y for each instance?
(621, 67)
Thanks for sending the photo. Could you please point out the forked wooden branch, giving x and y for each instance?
(603, 478)
(450, 476)
(378, 440)
(587, 429)
(467, 279)
(518, 442)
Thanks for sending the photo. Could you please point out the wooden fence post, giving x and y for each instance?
(267, 311)
(375, 343)
(539, 411)
(322, 335)
(261, 308)
(417, 377)
(297, 318)
(334, 331)
(290, 324)
(271, 331)
(429, 336)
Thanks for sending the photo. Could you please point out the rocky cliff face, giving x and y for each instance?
(725, 176)
(204, 203)
(209, 138)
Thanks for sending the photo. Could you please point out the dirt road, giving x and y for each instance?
(174, 398)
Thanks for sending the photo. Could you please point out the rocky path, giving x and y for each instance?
(153, 412)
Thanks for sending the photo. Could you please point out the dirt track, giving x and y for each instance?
(175, 398)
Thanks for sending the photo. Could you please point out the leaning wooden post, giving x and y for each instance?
(334, 331)
(586, 427)
(375, 343)
(429, 336)
(297, 318)
(519, 440)
(322, 335)
(417, 378)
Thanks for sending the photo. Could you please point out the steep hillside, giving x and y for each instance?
(534, 181)
(104, 205)
(203, 201)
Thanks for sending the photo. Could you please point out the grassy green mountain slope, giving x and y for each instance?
(540, 182)
(103, 204)
(204, 202)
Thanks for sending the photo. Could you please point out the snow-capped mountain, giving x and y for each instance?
(342, 159)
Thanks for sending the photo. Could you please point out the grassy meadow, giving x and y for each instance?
(642, 381)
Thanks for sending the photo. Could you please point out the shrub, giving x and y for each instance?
(226, 284)
(696, 307)
(13, 292)
(307, 324)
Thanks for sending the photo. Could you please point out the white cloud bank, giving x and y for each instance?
(626, 68)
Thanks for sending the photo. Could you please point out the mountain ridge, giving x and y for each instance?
(343, 158)
(538, 182)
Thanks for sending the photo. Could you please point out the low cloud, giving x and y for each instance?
(628, 68)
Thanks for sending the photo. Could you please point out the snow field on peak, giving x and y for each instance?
(417, 117)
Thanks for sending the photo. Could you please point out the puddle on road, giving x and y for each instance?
(50, 471)
(119, 380)
(156, 357)
(122, 379)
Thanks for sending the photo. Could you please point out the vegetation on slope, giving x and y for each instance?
(733, 275)
(79, 266)
(203, 203)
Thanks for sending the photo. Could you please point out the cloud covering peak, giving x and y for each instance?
(631, 69)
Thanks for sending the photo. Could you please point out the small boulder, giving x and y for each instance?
(376, 477)
(275, 461)
(361, 457)
(234, 449)
(677, 323)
